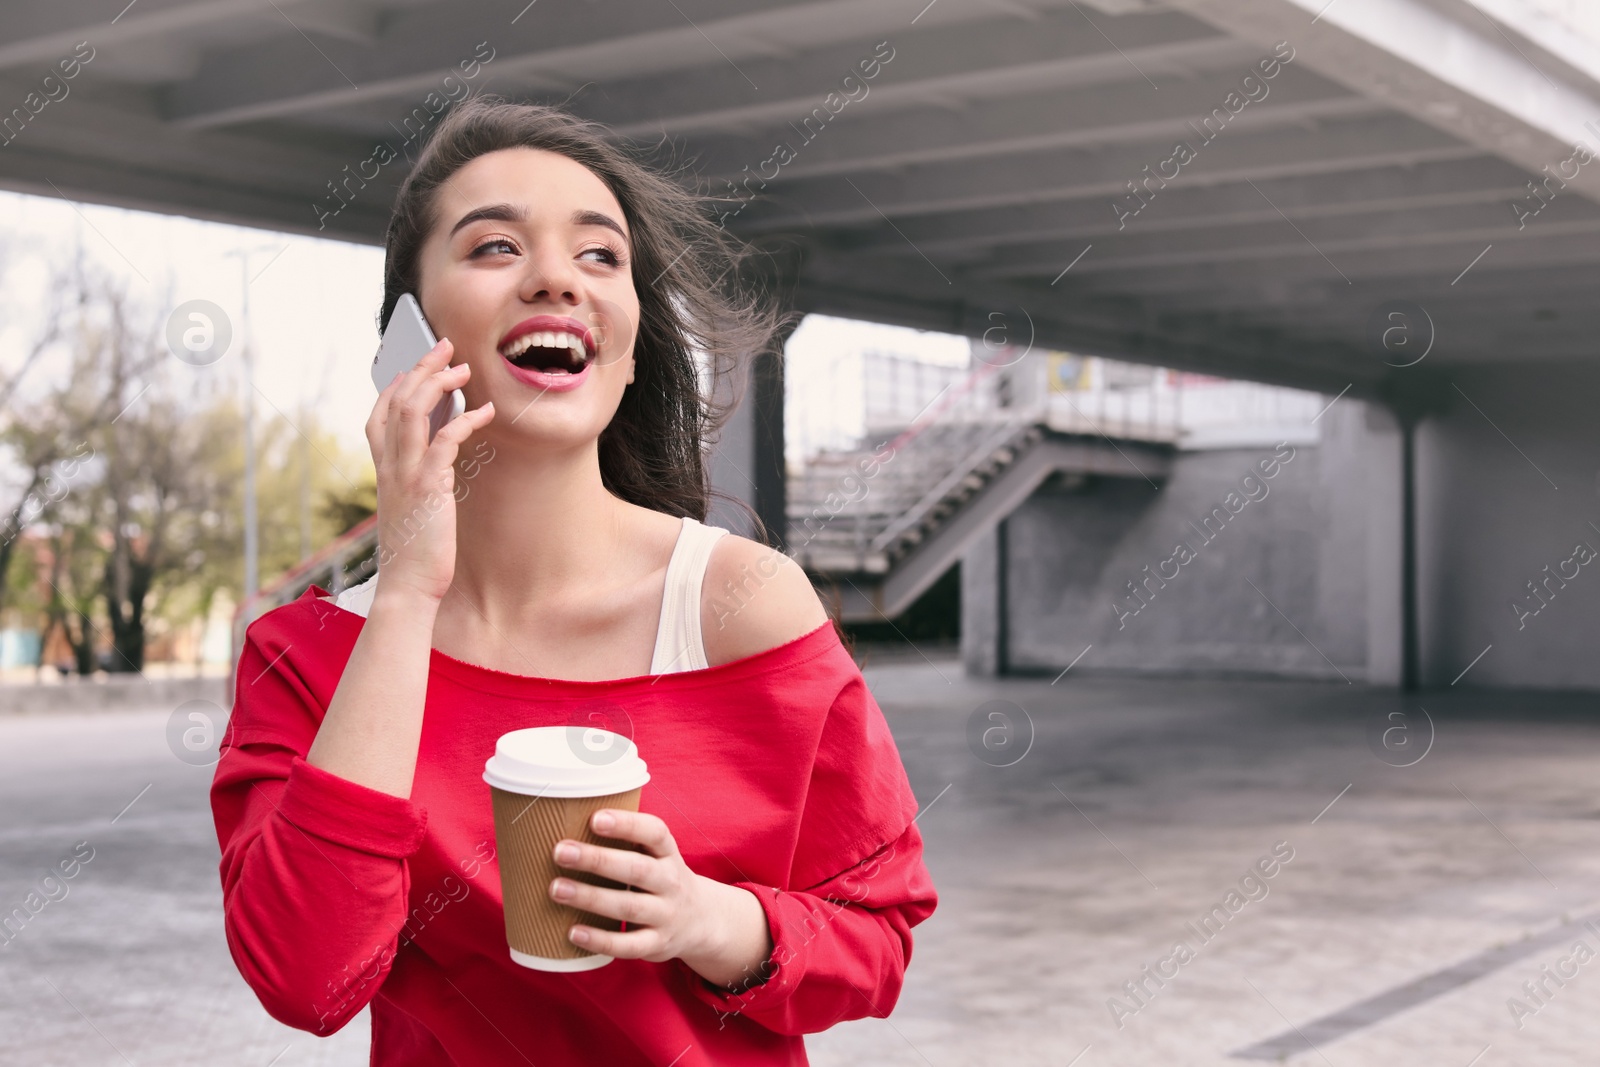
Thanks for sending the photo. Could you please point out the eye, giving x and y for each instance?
(493, 242)
(613, 255)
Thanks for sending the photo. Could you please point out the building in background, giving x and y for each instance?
(1053, 489)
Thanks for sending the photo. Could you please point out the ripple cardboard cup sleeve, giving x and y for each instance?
(543, 790)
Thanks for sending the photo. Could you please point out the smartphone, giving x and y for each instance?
(405, 342)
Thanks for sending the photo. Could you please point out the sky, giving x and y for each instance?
(313, 306)
(823, 373)
(312, 302)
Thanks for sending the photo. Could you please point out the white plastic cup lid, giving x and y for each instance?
(565, 761)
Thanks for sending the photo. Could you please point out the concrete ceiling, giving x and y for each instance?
(972, 188)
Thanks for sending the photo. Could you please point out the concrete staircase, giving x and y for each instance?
(879, 551)
(879, 524)
(860, 511)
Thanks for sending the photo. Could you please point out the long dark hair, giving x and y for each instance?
(694, 293)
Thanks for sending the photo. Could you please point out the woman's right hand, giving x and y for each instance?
(416, 478)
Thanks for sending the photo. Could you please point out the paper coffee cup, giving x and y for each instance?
(545, 783)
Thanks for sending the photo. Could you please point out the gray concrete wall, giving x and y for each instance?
(1506, 489)
(1508, 534)
(1302, 581)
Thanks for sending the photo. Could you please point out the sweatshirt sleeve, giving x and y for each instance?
(314, 874)
(840, 949)
(841, 927)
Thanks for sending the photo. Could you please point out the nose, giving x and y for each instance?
(549, 275)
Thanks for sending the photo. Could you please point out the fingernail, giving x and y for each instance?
(579, 937)
(561, 889)
(566, 853)
(604, 820)
(398, 375)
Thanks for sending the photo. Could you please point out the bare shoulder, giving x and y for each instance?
(754, 598)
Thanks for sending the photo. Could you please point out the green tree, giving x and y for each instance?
(77, 558)
(303, 477)
(43, 434)
(141, 486)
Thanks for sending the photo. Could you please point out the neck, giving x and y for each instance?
(531, 525)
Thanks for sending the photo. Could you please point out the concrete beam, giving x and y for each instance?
(942, 67)
(1548, 329)
(1447, 66)
(1292, 300)
(1348, 145)
(43, 33)
(894, 126)
(128, 158)
(558, 48)
(1404, 264)
(1380, 189)
(1284, 244)
(1548, 43)
(1121, 328)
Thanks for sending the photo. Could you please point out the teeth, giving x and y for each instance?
(545, 339)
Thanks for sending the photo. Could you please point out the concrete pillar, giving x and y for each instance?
(746, 460)
(1508, 517)
(1381, 458)
(771, 470)
(732, 458)
(979, 606)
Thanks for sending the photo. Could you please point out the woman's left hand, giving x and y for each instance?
(719, 930)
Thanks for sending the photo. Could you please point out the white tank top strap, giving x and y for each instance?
(680, 645)
(357, 598)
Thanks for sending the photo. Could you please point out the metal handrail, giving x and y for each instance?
(339, 546)
(914, 515)
(335, 552)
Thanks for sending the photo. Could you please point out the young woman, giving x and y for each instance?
(542, 561)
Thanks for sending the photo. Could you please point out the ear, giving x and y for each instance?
(631, 364)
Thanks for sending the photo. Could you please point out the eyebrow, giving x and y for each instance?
(517, 213)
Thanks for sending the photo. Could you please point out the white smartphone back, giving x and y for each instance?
(407, 339)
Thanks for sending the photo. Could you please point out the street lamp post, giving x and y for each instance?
(252, 579)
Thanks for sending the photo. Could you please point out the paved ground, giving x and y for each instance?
(1138, 806)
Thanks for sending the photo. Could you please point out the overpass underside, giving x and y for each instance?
(1232, 186)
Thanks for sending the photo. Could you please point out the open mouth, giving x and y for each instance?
(548, 352)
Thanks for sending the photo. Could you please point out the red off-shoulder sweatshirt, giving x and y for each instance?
(775, 772)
